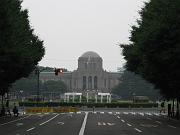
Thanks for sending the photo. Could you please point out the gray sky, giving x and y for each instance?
(71, 27)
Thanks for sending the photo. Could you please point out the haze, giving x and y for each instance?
(71, 27)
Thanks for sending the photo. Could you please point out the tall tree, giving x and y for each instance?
(154, 51)
(133, 84)
(20, 48)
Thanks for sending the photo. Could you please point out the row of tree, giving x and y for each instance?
(28, 87)
(20, 48)
(154, 48)
(134, 85)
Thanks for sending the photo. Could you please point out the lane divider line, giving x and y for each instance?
(158, 122)
(81, 132)
(137, 130)
(122, 120)
(129, 124)
(49, 120)
(15, 120)
(30, 129)
(172, 126)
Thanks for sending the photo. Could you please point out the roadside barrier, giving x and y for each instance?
(34, 110)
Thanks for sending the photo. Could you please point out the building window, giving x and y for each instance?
(84, 82)
(90, 82)
(95, 82)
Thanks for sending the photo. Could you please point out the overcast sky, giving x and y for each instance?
(71, 27)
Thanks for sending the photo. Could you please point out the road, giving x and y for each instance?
(101, 122)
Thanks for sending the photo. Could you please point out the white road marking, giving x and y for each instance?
(78, 112)
(142, 114)
(46, 113)
(117, 112)
(149, 114)
(81, 132)
(149, 118)
(30, 129)
(49, 120)
(157, 114)
(71, 112)
(118, 117)
(110, 112)
(101, 112)
(19, 124)
(60, 123)
(104, 124)
(99, 124)
(111, 124)
(15, 120)
(133, 113)
(125, 113)
(122, 120)
(158, 122)
(94, 112)
(137, 130)
(129, 124)
(172, 126)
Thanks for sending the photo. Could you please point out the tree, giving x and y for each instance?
(55, 86)
(131, 83)
(154, 51)
(20, 48)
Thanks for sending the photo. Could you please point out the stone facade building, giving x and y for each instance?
(89, 76)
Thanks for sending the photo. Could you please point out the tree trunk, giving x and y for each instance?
(2, 100)
(173, 108)
(177, 111)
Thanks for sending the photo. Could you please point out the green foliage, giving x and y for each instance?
(90, 105)
(29, 86)
(55, 86)
(154, 51)
(132, 84)
(20, 49)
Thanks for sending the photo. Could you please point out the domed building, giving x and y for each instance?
(89, 75)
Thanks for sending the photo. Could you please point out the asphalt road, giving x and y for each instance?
(101, 122)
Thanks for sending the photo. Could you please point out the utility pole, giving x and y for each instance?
(37, 72)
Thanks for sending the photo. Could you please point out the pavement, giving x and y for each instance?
(86, 122)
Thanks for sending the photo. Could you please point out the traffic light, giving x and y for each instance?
(58, 70)
(61, 70)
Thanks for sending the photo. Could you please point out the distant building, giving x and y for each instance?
(89, 75)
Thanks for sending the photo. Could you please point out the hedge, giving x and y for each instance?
(89, 105)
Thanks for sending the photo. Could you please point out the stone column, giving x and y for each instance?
(80, 98)
(67, 98)
(73, 97)
(96, 98)
(107, 98)
(101, 98)
(87, 96)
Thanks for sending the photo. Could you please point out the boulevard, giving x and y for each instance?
(87, 122)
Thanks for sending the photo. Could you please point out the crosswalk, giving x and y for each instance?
(113, 113)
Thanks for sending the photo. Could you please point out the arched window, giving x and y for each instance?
(90, 82)
(84, 82)
(95, 82)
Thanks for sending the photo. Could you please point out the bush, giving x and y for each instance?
(89, 105)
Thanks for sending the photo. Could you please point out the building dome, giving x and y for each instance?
(90, 54)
